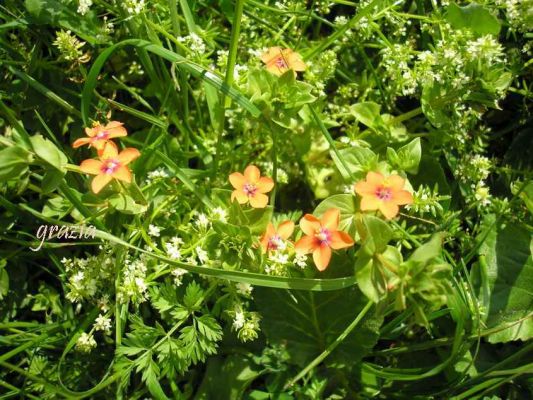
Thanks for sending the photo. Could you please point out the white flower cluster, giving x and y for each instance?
(173, 248)
(244, 289)
(159, 173)
(246, 324)
(154, 231)
(102, 323)
(84, 6)
(134, 7)
(85, 343)
(88, 278)
(134, 286)
(194, 42)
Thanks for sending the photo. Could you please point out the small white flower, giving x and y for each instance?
(300, 260)
(202, 255)
(244, 288)
(191, 260)
(173, 251)
(84, 6)
(202, 221)
(239, 320)
(220, 214)
(154, 231)
(85, 343)
(176, 241)
(279, 258)
(102, 323)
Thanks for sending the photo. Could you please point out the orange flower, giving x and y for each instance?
(274, 239)
(99, 135)
(383, 194)
(111, 165)
(279, 61)
(251, 187)
(321, 236)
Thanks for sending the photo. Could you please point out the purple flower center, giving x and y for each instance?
(110, 166)
(280, 63)
(323, 235)
(101, 135)
(249, 189)
(274, 242)
(384, 193)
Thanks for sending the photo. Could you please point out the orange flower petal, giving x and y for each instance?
(310, 224)
(128, 155)
(122, 173)
(110, 150)
(375, 178)
(80, 142)
(306, 244)
(365, 188)
(330, 219)
(237, 180)
(370, 203)
(93, 167)
(295, 61)
(94, 130)
(389, 209)
(396, 182)
(402, 197)
(241, 197)
(322, 257)
(100, 181)
(271, 54)
(259, 200)
(340, 240)
(252, 174)
(285, 229)
(270, 231)
(264, 184)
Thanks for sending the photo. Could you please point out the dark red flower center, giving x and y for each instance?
(101, 135)
(384, 193)
(110, 165)
(323, 236)
(249, 189)
(280, 63)
(274, 242)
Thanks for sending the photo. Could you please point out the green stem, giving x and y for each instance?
(332, 346)
(228, 79)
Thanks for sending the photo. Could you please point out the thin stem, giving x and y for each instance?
(228, 79)
(332, 346)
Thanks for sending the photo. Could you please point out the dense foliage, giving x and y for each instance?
(252, 199)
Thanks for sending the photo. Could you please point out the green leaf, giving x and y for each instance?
(368, 113)
(504, 278)
(368, 279)
(258, 219)
(375, 234)
(408, 157)
(474, 17)
(55, 13)
(51, 180)
(359, 161)
(306, 323)
(346, 204)
(429, 250)
(125, 204)
(4, 280)
(48, 151)
(227, 378)
(13, 162)
(527, 196)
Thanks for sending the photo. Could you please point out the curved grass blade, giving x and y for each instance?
(182, 62)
